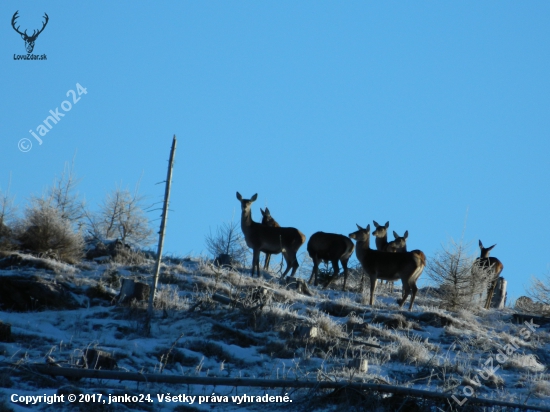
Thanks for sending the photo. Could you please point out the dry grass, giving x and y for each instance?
(527, 362)
(168, 297)
(412, 350)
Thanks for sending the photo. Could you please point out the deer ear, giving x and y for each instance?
(395, 235)
(387, 225)
(262, 212)
(491, 247)
(267, 210)
(375, 224)
(480, 245)
(406, 235)
(239, 196)
(253, 198)
(368, 228)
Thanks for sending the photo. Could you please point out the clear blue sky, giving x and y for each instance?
(427, 114)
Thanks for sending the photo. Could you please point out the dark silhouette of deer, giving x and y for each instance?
(398, 245)
(407, 266)
(268, 220)
(29, 40)
(381, 234)
(267, 239)
(492, 266)
(329, 247)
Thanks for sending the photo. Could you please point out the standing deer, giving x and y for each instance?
(491, 265)
(381, 235)
(398, 245)
(268, 220)
(407, 266)
(329, 247)
(267, 239)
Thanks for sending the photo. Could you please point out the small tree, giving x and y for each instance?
(121, 216)
(227, 245)
(460, 282)
(62, 195)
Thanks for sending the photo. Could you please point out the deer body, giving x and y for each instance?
(397, 246)
(381, 241)
(268, 220)
(267, 239)
(407, 266)
(329, 247)
(493, 266)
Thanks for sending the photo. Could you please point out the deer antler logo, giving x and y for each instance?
(29, 40)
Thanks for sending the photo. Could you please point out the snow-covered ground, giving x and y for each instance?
(193, 334)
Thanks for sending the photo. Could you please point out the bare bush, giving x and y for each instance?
(227, 245)
(539, 292)
(7, 215)
(121, 216)
(44, 231)
(461, 283)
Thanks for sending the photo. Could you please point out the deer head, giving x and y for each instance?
(29, 40)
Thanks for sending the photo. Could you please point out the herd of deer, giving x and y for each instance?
(390, 261)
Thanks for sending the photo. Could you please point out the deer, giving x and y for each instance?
(268, 220)
(329, 247)
(492, 266)
(407, 266)
(29, 40)
(398, 245)
(267, 239)
(381, 234)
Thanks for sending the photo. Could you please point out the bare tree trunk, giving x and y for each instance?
(161, 231)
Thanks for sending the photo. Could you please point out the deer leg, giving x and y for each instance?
(314, 272)
(490, 294)
(295, 264)
(256, 261)
(345, 267)
(372, 289)
(267, 260)
(335, 269)
(406, 292)
(413, 295)
(288, 265)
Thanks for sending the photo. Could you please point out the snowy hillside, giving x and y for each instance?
(267, 331)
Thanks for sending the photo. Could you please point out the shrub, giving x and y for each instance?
(539, 293)
(44, 231)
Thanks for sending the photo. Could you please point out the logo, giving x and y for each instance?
(29, 40)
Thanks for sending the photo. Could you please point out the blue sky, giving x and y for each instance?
(432, 115)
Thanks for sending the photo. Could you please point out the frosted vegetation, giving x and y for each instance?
(212, 320)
